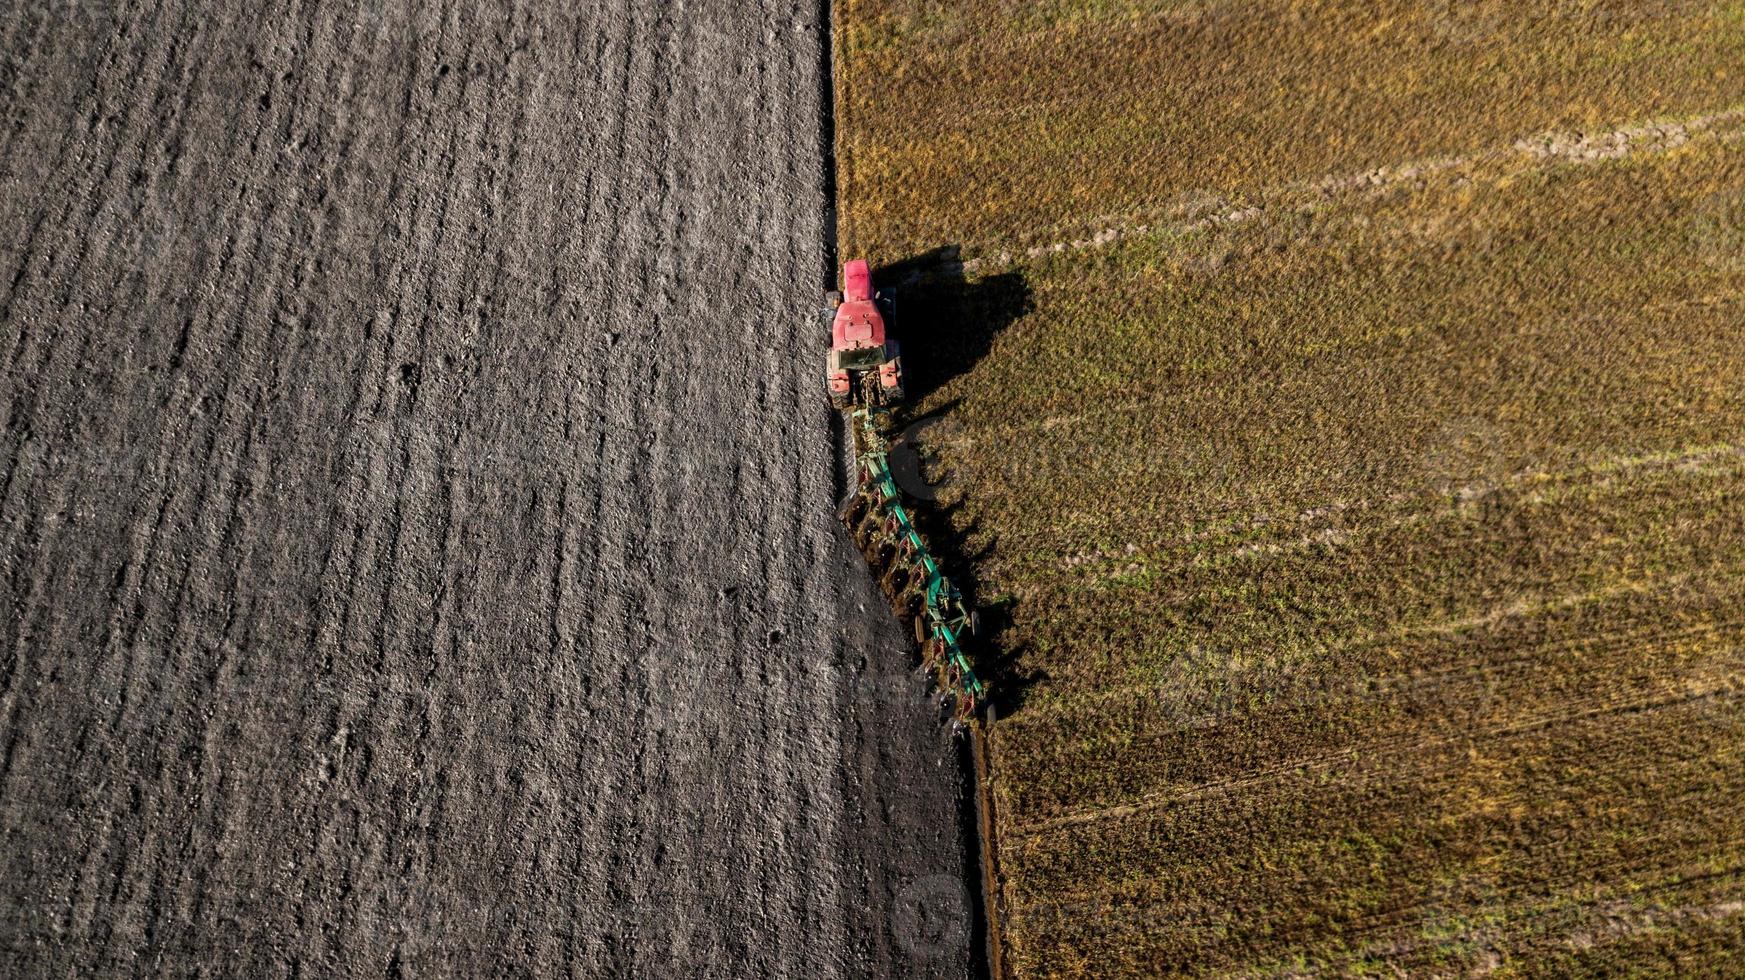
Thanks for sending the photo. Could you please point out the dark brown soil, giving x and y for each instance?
(416, 554)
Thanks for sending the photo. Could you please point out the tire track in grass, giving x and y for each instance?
(1536, 153)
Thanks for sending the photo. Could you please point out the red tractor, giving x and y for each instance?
(864, 365)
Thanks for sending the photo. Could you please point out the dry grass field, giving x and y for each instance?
(1365, 481)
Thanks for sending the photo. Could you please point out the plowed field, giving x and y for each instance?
(415, 541)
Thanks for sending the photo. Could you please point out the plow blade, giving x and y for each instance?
(925, 600)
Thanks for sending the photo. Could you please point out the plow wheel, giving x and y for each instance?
(910, 611)
(921, 630)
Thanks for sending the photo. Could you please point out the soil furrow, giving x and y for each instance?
(461, 596)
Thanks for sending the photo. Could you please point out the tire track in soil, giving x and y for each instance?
(417, 554)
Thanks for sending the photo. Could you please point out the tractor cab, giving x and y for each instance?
(864, 364)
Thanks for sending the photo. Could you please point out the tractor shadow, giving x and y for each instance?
(946, 324)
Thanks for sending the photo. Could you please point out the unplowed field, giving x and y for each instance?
(415, 491)
(1364, 479)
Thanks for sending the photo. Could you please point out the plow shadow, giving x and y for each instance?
(946, 324)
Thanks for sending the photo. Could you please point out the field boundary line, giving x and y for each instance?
(975, 814)
(988, 844)
(1535, 153)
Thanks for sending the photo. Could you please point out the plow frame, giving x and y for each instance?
(919, 591)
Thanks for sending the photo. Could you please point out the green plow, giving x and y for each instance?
(920, 593)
